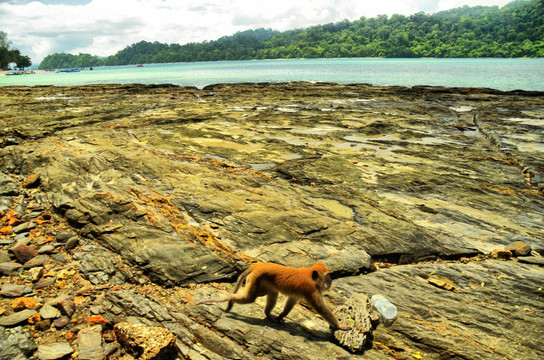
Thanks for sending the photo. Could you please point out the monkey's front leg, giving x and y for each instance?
(289, 304)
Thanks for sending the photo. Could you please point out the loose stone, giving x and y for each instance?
(519, 248)
(535, 260)
(24, 227)
(35, 273)
(501, 254)
(46, 249)
(67, 307)
(9, 268)
(59, 257)
(71, 243)
(32, 180)
(63, 236)
(17, 317)
(24, 303)
(10, 290)
(49, 312)
(45, 282)
(43, 325)
(39, 260)
(146, 342)
(4, 256)
(24, 253)
(61, 322)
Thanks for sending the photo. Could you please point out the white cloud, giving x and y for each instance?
(103, 27)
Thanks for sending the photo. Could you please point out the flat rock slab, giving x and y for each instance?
(54, 351)
(182, 189)
(10, 290)
(10, 268)
(17, 318)
(90, 343)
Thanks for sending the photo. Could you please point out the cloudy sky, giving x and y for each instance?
(103, 27)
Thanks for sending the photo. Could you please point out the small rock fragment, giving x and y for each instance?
(76, 218)
(39, 260)
(24, 227)
(42, 325)
(4, 256)
(146, 342)
(45, 282)
(35, 273)
(24, 253)
(443, 283)
(59, 257)
(519, 248)
(49, 312)
(71, 243)
(97, 320)
(67, 307)
(501, 254)
(34, 318)
(24, 303)
(61, 322)
(32, 181)
(63, 236)
(44, 218)
(46, 249)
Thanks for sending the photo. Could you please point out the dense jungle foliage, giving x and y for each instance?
(515, 30)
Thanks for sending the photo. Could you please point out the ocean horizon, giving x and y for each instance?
(500, 74)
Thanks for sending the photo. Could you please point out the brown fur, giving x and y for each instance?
(271, 279)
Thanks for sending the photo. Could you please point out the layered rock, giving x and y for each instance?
(150, 190)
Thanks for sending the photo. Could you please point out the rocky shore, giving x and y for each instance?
(122, 205)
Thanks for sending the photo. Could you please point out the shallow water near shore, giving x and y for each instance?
(501, 74)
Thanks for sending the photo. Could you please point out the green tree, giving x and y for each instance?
(516, 29)
(8, 55)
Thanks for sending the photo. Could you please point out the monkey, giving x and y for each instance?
(270, 279)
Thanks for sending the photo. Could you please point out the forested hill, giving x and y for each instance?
(515, 30)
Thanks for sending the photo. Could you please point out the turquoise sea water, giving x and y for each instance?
(502, 74)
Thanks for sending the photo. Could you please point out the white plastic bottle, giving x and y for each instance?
(387, 311)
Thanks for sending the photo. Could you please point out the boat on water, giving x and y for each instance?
(69, 70)
(140, 65)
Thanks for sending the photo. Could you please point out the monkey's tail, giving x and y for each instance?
(210, 301)
(237, 285)
(239, 282)
(241, 279)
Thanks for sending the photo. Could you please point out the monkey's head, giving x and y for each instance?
(321, 276)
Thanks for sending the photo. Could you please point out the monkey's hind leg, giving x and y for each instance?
(271, 300)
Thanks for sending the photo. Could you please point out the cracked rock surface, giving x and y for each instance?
(140, 199)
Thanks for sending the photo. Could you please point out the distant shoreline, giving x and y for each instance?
(4, 72)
